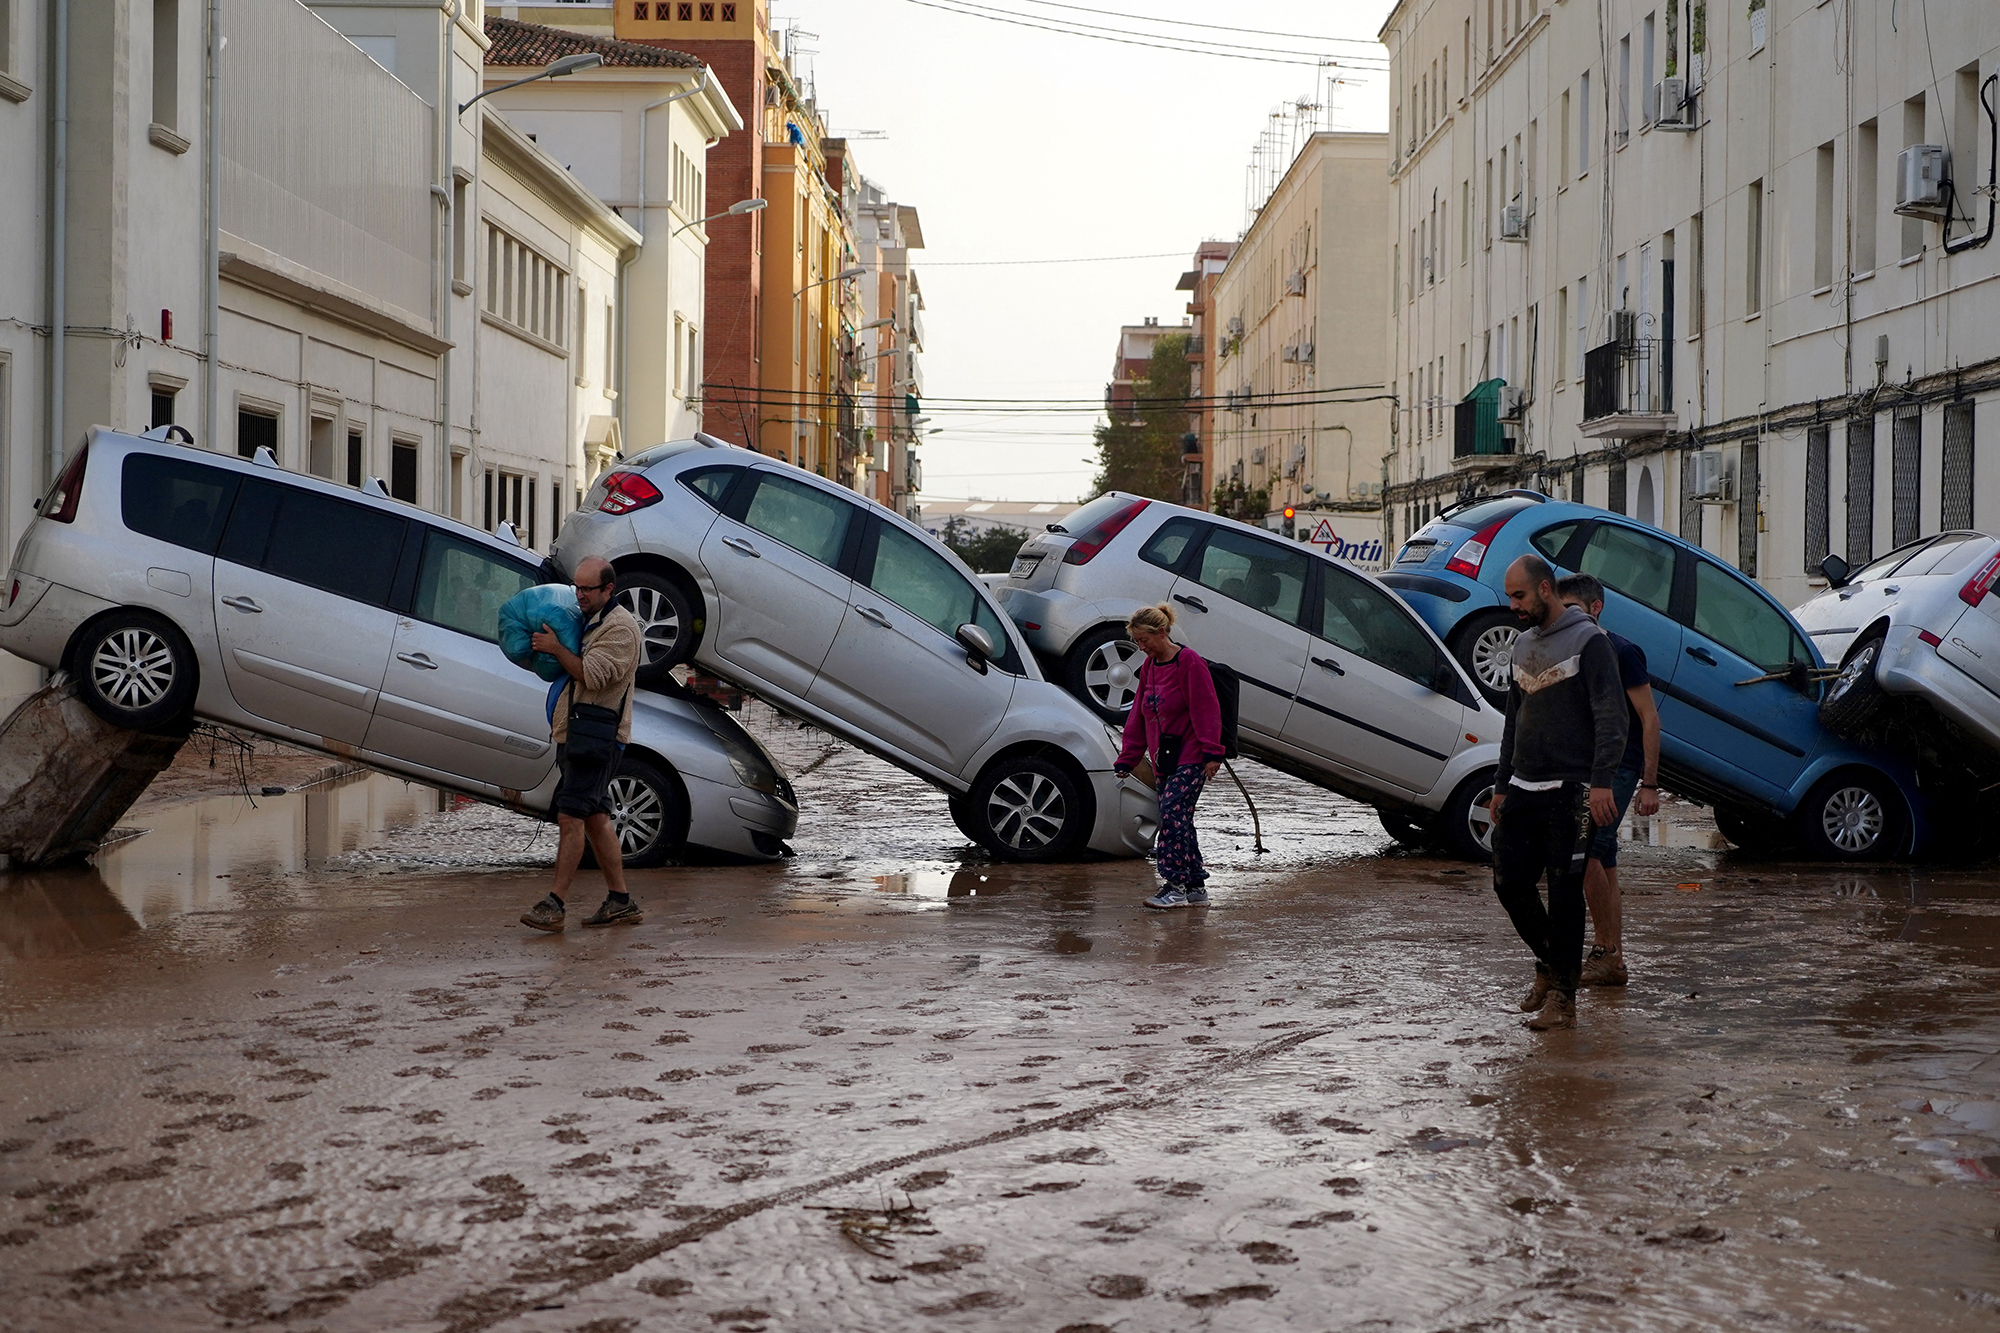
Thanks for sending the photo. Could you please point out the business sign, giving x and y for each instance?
(1355, 538)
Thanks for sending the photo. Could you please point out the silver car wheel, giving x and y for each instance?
(1861, 666)
(1479, 818)
(1111, 674)
(1026, 811)
(133, 667)
(637, 813)
(1853, 819)
(659, 621)
(1493, 656)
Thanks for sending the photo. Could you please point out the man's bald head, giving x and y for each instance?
(595, 582)
(595, 569)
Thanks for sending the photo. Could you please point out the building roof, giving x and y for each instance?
(532, 44)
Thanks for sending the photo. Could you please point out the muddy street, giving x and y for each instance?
(291, 1063)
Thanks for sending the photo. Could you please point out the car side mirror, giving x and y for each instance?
(1836, 571)
(978, 644)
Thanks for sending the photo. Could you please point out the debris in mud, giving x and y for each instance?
(875, 1230)
(1698, 1233)
(1117, 1286)
(1250, 1291)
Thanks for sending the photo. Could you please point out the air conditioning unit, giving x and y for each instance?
(1235, 326)
(1511, 402)
(1257, 455)
(1673, 109)
(1513, 223)
(1305, 354)
(1921, 172)
(1711, 477)
(1623, 327)
(1295, 284)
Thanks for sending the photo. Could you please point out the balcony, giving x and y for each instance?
(1477, 440)
(1195, 346)
(1628, 390)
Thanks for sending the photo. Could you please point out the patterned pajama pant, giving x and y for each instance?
(1176, 852)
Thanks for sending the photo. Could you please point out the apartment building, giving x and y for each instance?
(1298, 319)
(1199, 283)
(888, 348)
(1722, 269)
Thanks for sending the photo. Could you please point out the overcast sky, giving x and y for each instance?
(1015, 144)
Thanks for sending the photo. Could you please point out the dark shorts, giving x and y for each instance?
(1604, 842)
(581, 791)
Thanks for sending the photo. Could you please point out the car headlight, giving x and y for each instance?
(754, 769)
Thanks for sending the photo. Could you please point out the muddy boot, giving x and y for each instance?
(1558, 1011)
(1604, 967)
(616, 911)
(1538, 992)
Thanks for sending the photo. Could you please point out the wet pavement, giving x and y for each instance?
(295, 1066)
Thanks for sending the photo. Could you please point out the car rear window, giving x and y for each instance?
(1481, 513)
(1951, 555)
(1550, 541)
(1168, 547)
(712, 483)
(176, 500)
(1088, 517)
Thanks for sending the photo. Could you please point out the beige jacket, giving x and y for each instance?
(610, 664)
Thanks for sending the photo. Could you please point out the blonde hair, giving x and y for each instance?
(1153, 619)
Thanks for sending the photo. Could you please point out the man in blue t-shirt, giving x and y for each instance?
(1638, 770)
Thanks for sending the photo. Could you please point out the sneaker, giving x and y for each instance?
(1604, 967)
(1558, 1011)
(1170, 895)
(545, 915)
(614, 913)
(1537, 992)
(1197, 896)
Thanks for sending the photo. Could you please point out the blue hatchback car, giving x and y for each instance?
(1739, 709)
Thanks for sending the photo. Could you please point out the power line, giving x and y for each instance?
(1082, 29)
(1123, 41)
(994, 263)
(1213, 27)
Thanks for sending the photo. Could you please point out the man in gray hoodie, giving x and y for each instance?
(1565, 734)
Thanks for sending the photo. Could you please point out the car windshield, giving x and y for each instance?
(1481, 513)
(1875, 569)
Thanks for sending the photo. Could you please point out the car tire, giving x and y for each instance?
(1852, 816)
(649, 813)
(668, 626)
(1468, 820)
(1757, 834)
(1102, 669)
(1410, 832)
(135, 670)
(1484, 646)
(1026, 808)
(1854, 698)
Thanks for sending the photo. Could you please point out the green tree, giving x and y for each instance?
(988, 552)
(1142, 455)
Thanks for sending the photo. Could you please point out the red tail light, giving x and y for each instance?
(1470, 556)
(1930, 638)
(1094, 539)
(626, 491)
(1977, 586)
(61, 502)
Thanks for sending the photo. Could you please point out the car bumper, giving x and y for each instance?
(1440, 599)
(736, 820)
(1910, 666)
(43, 630)
(1128, 816)
(1049, 619)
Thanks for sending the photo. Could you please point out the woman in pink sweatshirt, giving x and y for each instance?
(1175, 719)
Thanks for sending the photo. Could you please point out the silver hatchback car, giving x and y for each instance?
(170, 580)
(852, 618)
(1342, 685)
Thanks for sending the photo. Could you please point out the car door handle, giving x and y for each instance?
(417, 660)
(741, 547)
(242, 604)
(1194, 602)
(870, 613)
(1702, 655)
(1330, 665)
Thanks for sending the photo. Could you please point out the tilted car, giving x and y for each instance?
(1732, 672)
(1341, 685)
(1920, 623)
(167, 579)
(857, 620)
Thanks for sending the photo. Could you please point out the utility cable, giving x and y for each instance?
(1198, 43)
(1123, 41)
(1212, 27)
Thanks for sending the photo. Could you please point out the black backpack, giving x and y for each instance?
(1228, 688)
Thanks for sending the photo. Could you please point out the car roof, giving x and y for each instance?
(305, 481)
(1223, 520)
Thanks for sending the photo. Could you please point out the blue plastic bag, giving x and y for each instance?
(551, 604)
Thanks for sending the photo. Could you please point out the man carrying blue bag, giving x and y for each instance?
(591, 724)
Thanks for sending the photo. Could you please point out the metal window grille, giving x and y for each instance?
(1818, 446)
(1690, 507)
(1576, 483)
(1906, 474)
(1615, 487)
(1746, 508)
(1955, 510)
(1861, 490)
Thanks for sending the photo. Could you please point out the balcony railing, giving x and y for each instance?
(1628, 388)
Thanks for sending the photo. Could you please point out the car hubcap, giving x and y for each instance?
(1111, 674)
(1479, 817)
(1493, 656)
(1860, 667)
(133, 668)
(659, 621)
(1853, 819)
(1026, 811)
(637, 813)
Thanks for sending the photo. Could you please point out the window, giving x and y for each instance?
(1697, 275)
(176, 501)
(679, 371)
(1906, 464)
(1260, 574)
(1167, 547)
(255, 430)
(1746, 507)
(1464, 220)
(1583, 123)
(403, 471)
(1860, 491)
(166, 62)
(1866, 165)
(525, 290)
(162, 408)
(1632, 563)
(915, 577)
(1623, 117)
(1818, 447)
(1357, 616)
(1730, 611)
(356, 453)
(1563, 177)
(461, 228)
(1487, 203)
(1582, 324)
(1550, 541)
(1753, 249)
(346, 549)
(1955, 511)
(319, 447)
(581, 348)
(803, 517)
(1822, 275)
(610, 347)
(7, 39)
(712, 483)
(1913, 132)
(462, 586)
(1946, 557)
(1562, 332)
(1646, 71)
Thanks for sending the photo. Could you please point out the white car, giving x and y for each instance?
(853, 618)
(169, 580)
(1921, 622)
(1342, 684)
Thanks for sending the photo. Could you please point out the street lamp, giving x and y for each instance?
(737, 209)
(571, 64)
(841, 276)
(890, 322)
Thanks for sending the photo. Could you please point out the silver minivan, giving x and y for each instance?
(169, 580)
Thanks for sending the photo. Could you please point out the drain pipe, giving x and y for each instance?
(447, 257)
(1965, 243)
(211, 282)
(59, 247)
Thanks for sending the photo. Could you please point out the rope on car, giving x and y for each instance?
(1256, 824)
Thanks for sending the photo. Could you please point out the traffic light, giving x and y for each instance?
(1291, 521)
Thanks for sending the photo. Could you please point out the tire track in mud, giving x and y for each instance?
(493, 1308)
